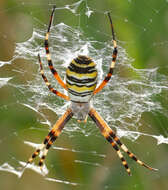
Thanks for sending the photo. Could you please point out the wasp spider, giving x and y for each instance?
(81, 81)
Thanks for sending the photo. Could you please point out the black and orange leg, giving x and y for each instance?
(108, 133)
(125, 149)
(51, 137)
(100, 122)
(114, 56)
(48, 84)
(46, 44)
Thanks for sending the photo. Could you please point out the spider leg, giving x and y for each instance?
(51, 137)
(42, 146)
(46, 44)
(114, 56)
(125, 149)
(109, 134)
(100, 123)
(55, 132)
(48, 84)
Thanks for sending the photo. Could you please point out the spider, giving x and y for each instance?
(81, 81)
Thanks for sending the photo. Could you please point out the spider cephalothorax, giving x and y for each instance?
(80, 110)
(81, 81)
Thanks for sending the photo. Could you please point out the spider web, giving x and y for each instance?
(130, 95)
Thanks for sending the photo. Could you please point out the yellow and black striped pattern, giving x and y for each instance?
(81, 79)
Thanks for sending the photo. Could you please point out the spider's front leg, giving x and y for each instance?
(46, 44)
(111, 137)
(114, 57)
(51, 137)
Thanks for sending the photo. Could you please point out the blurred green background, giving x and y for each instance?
(142, 29)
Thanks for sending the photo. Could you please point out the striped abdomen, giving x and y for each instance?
(81, 79)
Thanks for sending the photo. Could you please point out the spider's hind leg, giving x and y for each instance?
(47, 146)
(51, 137)
(110, 136)
(130, 154)
(40, 148)
(102, 126)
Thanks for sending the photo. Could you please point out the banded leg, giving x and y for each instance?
(46, 44)
(51, 137)
(48, 84)
(114, 56)
(108, 133)
(99, 122)
(125, 149)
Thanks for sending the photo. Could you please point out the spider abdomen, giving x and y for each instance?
(81, 79)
